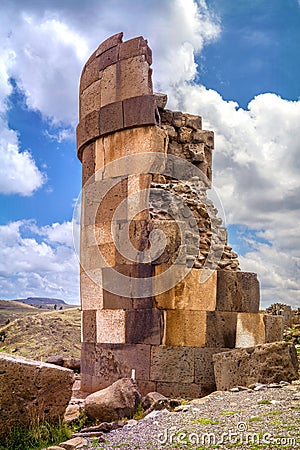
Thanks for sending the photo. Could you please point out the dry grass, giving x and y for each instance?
(11, 310)
(42, 334)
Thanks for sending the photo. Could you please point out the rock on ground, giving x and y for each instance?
(114, 402)
(32, 391)
(267, 363)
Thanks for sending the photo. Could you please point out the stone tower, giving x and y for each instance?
(161, 289)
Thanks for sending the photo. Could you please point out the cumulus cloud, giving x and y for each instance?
(38, 261)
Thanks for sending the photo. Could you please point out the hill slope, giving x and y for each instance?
(44, 334)
(11, 310)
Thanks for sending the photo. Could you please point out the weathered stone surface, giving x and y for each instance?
(115, 402)
(274, 327)
(250, 330)
(108, 85)
(134, 47)
(73, 444)
(89, 326)
(191, 293)
(32, 391)
(90, 99)
(221, 329)
(91, 292)
(88, 129)
(135, 77)
(185, 328)
(111, 118)
(151, 398)
(139, 111)
(268, 363)
(109, 362)
(134, 326)
(161, 100)
(110, 42)
(172, 364)
(108, 57)
(90, 74)
(181, 389)
(238, 291)
(204, 368)
(88, 162)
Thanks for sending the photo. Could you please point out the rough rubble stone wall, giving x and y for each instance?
(168, 335)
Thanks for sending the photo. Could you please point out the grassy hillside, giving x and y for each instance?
(42, 334)
(11, 310)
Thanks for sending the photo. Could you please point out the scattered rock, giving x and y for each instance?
(32, 390)
(115, 402)
(74, 443)
(151, 398)
(58, 360)
(267, 363)
(72, 363)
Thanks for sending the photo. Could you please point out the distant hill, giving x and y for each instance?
(41, 301)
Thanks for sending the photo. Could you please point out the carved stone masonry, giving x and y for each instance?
(161, 289)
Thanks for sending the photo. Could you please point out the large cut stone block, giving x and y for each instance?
(88, 129)
(32, 391)
(108, 86)
(200, 328)
(110, 42)
(135, 77)
(250, 330)
(135, 326)
(91, 293)
(268, 363)
(90, 74)
(204, 368)
(138, 197)
(238, 291)
(274, 328)
(172, 364)
(139, 111)
(135, 47)
(111, 118)
(107, 363)
(108, 57)
(182, 390)
(88, 326)
(90, 99)
(190, 293)
(88, 163)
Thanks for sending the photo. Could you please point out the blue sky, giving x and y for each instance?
(236, 63)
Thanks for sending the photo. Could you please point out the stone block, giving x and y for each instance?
(90, 74)
(112, 195)
(88, 325)
(90, 99)
(166, 238)
(111, 326)
(149, 140)
(139, 111)
(111, 118)
(32, 391)
(88, 129)
(135, 77)
(189, 292)
(133, 326)
(111, 42)
(204, 368)
(172, 364)
(108, 58)
(221, 329)
(182, 390)
(238, 291)
(268, 363)
(138, 196)
(185, 328)
(88, 163)
(108, 86)
(250, 330)
(161, 100)
(110, 362)
(135, 47)
(192, 121)
(274, 326)
(204, 136)
(91, 293)
(99, 158)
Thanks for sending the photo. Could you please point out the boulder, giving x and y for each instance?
(114, 402)
(32, 391)
(151, 398)
(266, 363)
(72, 363)
(58, 360)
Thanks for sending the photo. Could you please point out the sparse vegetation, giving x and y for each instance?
(35, 437)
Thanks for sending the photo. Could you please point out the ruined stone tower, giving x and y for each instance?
(161, 290)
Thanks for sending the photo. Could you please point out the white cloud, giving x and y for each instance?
(18, 171)
(30, 266)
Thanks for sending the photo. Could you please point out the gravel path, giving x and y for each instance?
(268, 418)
